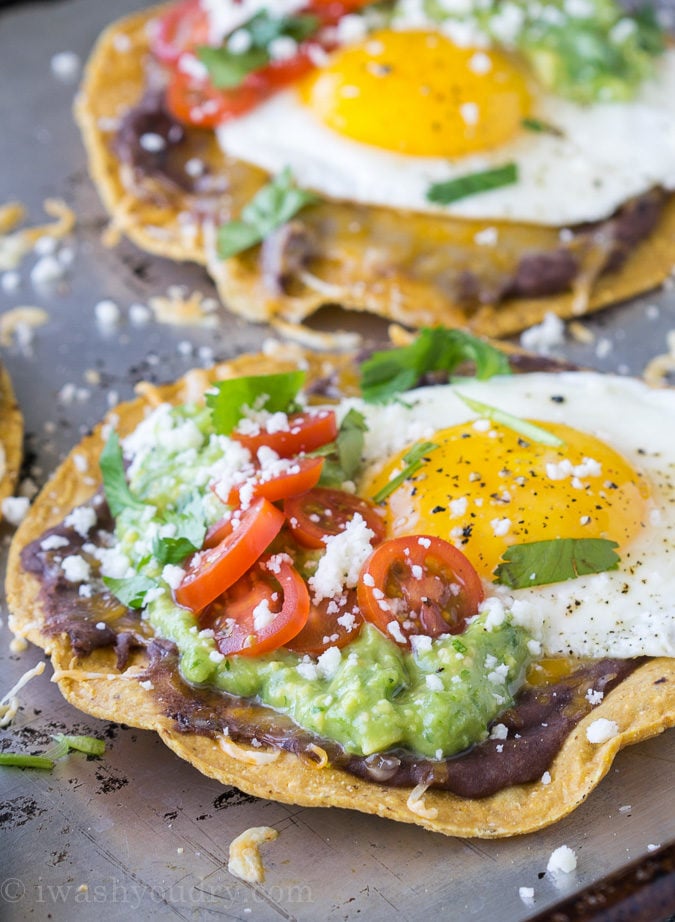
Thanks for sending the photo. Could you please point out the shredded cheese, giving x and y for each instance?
(19, 319)
(314, 756)
(180, 309)
(14, 246)
(661, 366)
(339, 341)
(416, 805)
(9, 703)
(245, 861)
(248, 756)
(79, 674)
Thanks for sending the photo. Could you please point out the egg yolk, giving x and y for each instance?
(485, 487)
(418, 93)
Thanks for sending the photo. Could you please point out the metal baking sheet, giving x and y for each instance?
(139, 830)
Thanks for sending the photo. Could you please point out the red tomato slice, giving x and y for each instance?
(323, 630)
(210, 572)
(262, 611)
(423, 583)
(320, 512)
(305, 432)
(300, 475)
(184, 25)
(197, 102)
(219, 530)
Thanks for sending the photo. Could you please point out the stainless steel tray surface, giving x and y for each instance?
(138, 830)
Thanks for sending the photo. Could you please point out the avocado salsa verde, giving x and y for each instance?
(429, 685)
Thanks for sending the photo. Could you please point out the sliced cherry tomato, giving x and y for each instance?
(298, 477)
(219, 530)
(184, 25)
(420, 582)
(195, 101)
(262, 611)
(210, 572)
(305, 432)
(320, 512)
(331, 623)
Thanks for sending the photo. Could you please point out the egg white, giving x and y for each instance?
(625, 612)
(608, 153)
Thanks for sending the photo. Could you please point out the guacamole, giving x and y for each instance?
(435, 698)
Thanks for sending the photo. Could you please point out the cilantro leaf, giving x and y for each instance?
(228, 69)
(539, 562)
(270, 392)
(522, 426)
(264, 28)
(414, 459)
(444, 193)
(115, 485)
(386, 374)
(272, 207)
(132, 590)
(190, 529)
(343, 456)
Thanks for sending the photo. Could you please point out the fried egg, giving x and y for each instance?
(400, 109)
(485, 488)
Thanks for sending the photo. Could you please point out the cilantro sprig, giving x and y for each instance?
(272, 207)
(275, 393)
(540, 562)
(115, 486)
(228, 68)
(415, 459)
(390, 372)
(521, 426)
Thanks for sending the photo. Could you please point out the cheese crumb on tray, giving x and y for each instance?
(245, 861)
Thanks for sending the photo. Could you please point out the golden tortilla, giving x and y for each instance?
(11, 436)
(642, 706)
(392, 267)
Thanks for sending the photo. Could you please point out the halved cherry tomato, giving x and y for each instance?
(184, 25)
(299, 476)
(262, 611)
(324, 630)
(210, 572)
(305, 432)
(423, 583)
(320, 512)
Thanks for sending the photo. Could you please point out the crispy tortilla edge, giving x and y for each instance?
(642, 706)
(11, 434)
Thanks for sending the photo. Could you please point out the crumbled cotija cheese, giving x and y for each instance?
(563, 859)
(601, 730)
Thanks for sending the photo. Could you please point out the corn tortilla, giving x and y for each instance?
(11, 436)
(349, 275)
(642, 706)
